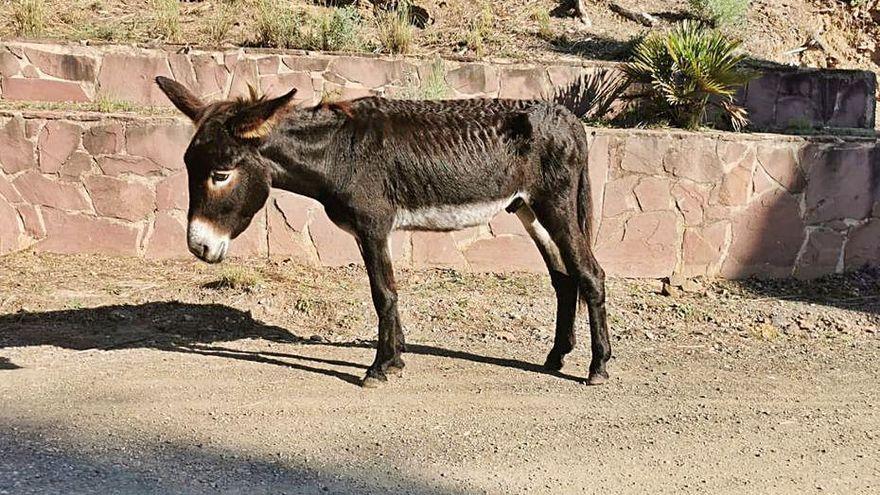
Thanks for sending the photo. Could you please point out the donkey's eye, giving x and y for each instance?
(220, 177)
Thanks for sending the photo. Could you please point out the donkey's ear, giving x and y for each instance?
(257, 119)
(182, 98)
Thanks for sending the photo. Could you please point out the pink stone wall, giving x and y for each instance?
(667, 202)
(56, 72)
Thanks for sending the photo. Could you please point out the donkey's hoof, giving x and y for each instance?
(597, 378)
(373, 382)
(554, 362)
(394, 370)
(374, 379)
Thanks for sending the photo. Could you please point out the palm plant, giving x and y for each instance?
(687, 69)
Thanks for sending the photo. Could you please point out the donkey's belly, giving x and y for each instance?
(451, 217)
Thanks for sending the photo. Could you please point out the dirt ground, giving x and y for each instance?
(844, 33)
(136, 377)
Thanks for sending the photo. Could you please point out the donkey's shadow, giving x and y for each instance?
(199, 329)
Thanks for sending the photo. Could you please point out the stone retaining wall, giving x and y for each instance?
(667, 202)
(780, 100)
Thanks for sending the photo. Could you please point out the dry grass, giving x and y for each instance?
(237, 277)
(542, 17)
(166, 19)
(28, 17)
(220, 22)
(435, 87)
(332, 30)
(394, 29)
(276, 24)
(481, 30)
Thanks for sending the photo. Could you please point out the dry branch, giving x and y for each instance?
(643, 18)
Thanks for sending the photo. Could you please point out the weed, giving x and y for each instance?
(220, 22)
(28, 17)
(765, 331)
(434, 87)
(238, 278)
(720, 12)
(480, 30)
(166, 19)
(306, 306)
(276, 24)
(394, 29)
(107, 104)
(542, 17)
(336, 30)
(800, 125)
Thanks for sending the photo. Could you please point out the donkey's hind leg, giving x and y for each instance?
(577, 255)
(566, 288)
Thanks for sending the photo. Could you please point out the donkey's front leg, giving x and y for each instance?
(377, 259)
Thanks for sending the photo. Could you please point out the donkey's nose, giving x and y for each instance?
(205, 242)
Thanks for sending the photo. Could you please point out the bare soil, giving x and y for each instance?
(131, 376)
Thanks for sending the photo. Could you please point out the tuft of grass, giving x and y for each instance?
(394, 29)
(720, 12)
(338, 29)
(276, 24)
(166, 19)
(237, 278)
(106, 104)
(480, 30)
(432, 87)
(107, 32)
(28, 17)
(800, 125)
(435, 87)
(765, 331)
(220, 22)
(542, 17)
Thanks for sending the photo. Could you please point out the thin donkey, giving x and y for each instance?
(380, 165)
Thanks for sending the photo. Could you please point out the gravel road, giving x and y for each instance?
(121, 376)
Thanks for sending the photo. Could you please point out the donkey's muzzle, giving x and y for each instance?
(205, 242)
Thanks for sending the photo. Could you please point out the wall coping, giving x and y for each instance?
(561, 60)
(86, 116)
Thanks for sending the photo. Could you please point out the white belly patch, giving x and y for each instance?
(451, 217)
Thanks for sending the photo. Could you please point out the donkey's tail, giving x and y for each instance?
(584, 204)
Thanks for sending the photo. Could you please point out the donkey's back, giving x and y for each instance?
(482, 154)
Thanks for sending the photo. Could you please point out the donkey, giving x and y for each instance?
(379, 165)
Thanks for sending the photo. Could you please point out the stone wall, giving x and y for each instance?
(666, 202)
(781, 99)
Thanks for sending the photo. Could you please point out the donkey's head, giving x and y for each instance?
(228, 179)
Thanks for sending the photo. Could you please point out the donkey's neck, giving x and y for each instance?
(297, 150)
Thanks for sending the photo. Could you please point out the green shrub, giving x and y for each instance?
(276, 24)
(28, 17)
(337, 30)
(685, 70)
(720, 12)
(394, 28)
